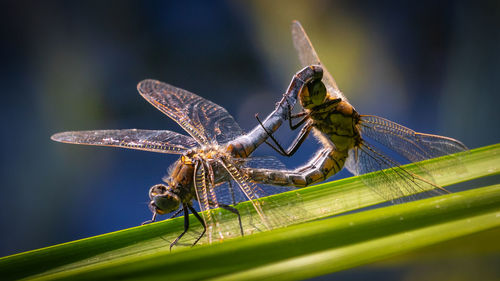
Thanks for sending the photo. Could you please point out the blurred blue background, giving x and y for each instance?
(433, 67)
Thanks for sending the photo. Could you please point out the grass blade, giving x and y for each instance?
(142, 253)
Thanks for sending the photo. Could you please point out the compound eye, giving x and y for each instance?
(157, 190)
(317, 92)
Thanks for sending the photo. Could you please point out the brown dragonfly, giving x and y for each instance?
(214, 154)
(352, 140)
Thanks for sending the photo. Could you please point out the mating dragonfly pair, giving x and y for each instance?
(217, 152)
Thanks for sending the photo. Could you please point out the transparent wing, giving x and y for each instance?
(406, 142)
(308, 56)
(250, 190)
(148, 140)
(213, 195)
(264, 162)
(221, 183)
(204, 120)
(228, 196)
(391, 182)
(389, 136)
(271, 214)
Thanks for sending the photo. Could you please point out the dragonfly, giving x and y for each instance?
(349, 139)
(214, 153)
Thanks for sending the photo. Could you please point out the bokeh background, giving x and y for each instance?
(433, 66)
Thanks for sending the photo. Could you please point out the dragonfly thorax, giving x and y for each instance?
(205, 153)
(179, 179)
(339, 121)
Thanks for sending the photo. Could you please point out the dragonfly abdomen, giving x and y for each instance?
(323, 165)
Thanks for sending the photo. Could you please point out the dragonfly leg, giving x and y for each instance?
(291, 116)
(279, 149)
(154, 217)
(304, 132)
(303, 114)
(247, 144)
(175, 214)
(301, 137)
(232, 209)
(195, 213)
(327, 104)
(229, 208)
(151, 220)
(186, 226)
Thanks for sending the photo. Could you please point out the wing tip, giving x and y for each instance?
(54, 137)
(294, 26)
(60, 137)
(145, 84)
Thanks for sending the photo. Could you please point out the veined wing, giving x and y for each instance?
(263, 162)
(148, 140)
(413, 146)
(308, 56)
(230, 195)
(214, 191)
(392, 182)
(406, 142)
(247, 188)
(271, 213)
(223, 183)
(204, 120)
(221, 176)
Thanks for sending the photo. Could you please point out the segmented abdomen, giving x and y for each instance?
(323, 165)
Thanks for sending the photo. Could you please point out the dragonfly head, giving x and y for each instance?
(163, 200)
(313, 94)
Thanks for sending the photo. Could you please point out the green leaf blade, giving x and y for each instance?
(332, 244)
